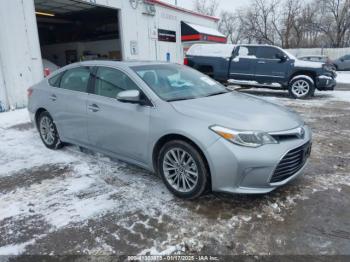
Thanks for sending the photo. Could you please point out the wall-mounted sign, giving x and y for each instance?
(153, 33)
(166, 35)
(134, 49)
(169, 16)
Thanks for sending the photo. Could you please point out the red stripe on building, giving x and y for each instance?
(217, 39)
(191, 37)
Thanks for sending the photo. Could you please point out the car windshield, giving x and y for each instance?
(175, 82)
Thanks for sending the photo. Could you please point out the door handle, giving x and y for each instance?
(261, 62)
(53, 98)
(94, 108)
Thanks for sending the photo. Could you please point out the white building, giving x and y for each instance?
(65, 31)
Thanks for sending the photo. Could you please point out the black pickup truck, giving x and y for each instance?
(261, 66)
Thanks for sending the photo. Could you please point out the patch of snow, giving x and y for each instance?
(205, 30)
(169, 250)
(24, 150)
(14, 250)
(237, 58)
(343, 78)
(211, 50)
(325, 77)
(307, 64)
(242, 82)
(12, 118)
(303, 76)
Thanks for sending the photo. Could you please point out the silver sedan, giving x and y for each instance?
(174, 121)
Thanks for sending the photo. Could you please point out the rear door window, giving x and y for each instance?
(76, 79)
(269, 52)
(246, 52)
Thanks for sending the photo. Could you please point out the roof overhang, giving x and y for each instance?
(193, 33)
(174, 7)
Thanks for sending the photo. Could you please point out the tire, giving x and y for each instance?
(187, 180)
(48, 131)
(301, 87)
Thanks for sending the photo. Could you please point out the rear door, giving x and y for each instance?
(68, 104)
(270, 68)
(116, 127)
(243, 63)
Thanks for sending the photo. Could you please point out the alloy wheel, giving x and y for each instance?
(47, 130)
(180, 170)
(300, 88)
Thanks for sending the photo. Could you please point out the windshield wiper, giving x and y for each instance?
(218, 93)
(180, 99)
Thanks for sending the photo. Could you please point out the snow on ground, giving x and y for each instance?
(14, 118)
(343, 77)
(71, 202)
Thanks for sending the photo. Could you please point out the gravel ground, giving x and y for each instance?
(70, 202)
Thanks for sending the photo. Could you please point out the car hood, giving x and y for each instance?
(241, 112)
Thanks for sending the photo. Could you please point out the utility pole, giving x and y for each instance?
(175, 2)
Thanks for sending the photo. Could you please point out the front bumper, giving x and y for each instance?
(236, 169)
(324, 83)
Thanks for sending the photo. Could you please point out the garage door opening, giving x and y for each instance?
(72, 31)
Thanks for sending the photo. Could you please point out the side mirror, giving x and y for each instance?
(130, 96)
(282, 57)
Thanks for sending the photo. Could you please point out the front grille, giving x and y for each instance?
(291, 163)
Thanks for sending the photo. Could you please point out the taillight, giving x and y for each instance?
(47, 72)
(29, 92)
(185, 61)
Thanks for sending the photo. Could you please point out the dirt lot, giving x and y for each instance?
(72, 202)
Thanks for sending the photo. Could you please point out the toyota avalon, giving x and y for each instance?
(174, 121)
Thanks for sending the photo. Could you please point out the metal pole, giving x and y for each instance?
(175, 2)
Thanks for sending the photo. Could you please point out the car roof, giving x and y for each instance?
(111, 63)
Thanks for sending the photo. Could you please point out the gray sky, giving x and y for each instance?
(228, 5)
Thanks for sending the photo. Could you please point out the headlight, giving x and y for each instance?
(244, 138)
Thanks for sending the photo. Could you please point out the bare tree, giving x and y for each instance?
(207, 7)
(335, 20)
(231, 25)
(290, 23)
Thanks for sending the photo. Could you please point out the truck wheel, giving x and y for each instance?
(301, 87)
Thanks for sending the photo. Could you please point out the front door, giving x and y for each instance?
(116, 127)
(270, 68)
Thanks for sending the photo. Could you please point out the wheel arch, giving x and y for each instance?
(171, 137)
(308, 73)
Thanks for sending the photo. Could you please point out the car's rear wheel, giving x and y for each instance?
(48, 131)
(301, 88)
(183, 169)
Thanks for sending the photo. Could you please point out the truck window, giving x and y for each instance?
(269, 52)
(246, 51)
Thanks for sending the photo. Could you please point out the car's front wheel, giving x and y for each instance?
(48, 131)
(301, 87)
(183, 169)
